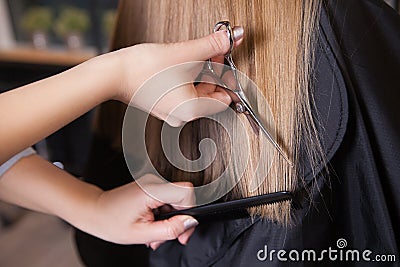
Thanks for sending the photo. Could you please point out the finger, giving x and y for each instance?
(156, 245)
(168, 118)
(213, 103)
(212, 91)
(169, 229)
(184, 238)
(238, 37)
(173, 121)
(202, 106)
(179, 194)
(218, 59)
(208, 47)
(205, 88)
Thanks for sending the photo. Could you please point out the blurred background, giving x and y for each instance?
(39, 38)
(44, 37)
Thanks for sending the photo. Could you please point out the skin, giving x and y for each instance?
(123, 215)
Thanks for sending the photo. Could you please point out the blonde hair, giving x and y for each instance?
(277, 54)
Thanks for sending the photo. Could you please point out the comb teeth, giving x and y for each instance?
(230, 209)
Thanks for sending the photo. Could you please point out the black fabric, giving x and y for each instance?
(357, 89)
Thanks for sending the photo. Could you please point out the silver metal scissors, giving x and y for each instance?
(241, 103)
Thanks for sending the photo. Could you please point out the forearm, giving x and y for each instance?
(36, 184)
(30, 113)
(34, 111)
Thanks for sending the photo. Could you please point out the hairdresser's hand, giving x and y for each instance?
(43, 107)
(141, 62)
(124, 215)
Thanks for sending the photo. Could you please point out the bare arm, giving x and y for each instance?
(123, 215)
(32, 112)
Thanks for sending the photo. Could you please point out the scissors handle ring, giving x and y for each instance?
(229, 31)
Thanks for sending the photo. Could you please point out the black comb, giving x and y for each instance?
(230, 209)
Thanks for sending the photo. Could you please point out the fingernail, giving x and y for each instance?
(190, 223)
(238, 33)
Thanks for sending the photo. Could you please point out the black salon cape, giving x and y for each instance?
(358, 205)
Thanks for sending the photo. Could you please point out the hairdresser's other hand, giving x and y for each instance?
(142, 61)
(124, 215)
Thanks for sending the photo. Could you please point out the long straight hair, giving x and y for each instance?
(277, 54)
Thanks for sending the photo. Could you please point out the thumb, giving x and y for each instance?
(170, 229)
(210, 46)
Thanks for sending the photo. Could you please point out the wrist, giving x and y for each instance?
(83, 209)
(111, 213)
(107, 68)
(125, 73)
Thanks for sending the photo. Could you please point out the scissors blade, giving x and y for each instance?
(253, 119)
(237, 94)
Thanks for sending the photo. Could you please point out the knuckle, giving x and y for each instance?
(172, 232)
(217, 43)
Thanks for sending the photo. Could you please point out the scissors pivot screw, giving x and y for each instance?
(242, 105)
(240, 108)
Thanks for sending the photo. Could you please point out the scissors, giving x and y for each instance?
(240, 101)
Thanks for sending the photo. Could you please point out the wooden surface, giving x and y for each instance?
(37, 240)
(44, 57)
